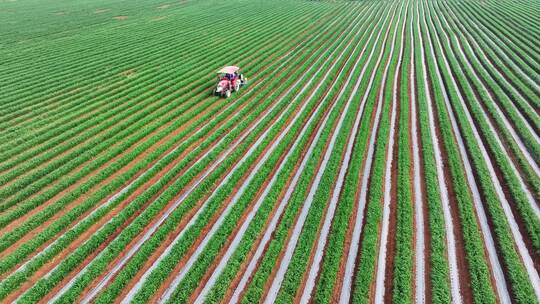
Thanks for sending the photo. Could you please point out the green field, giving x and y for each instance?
(381, 151)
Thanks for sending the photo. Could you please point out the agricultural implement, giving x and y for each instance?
(229, 80)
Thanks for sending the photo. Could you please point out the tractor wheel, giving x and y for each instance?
(227, 94)
(237, 86)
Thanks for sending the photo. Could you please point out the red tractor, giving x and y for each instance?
(229, 79)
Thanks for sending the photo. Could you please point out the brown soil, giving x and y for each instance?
(140, 190)
(352, 220)
(501, 70)
(153, 181)
(54, 261)
(464, 277)
(314, 245)
(209, 225)
(120, 17)
(101, 10)
(127, 73)
(348, 240)
(58, 259)
(349, 230)
(425, 210)
(392, 232)
(280, 258)
(116, 210)
(490, 223)
(75, 170)
(180, 227)
(81, 166)
(346, 247)
(519, 108)
(380, 98)
(497, 128)
(535, 255)
(303, 282)
(249, 256)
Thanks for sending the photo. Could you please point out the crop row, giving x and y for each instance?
(192, 220)
(222, 145)
(164, 53)
(185, 145)
(266, 199)
(141, 93)
(383, 151)
(158, 116)
(178, 245)
(95, 62)
(170, 220)
(521, 286)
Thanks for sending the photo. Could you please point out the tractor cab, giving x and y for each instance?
(229, 79)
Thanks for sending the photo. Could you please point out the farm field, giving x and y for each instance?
(381, 152)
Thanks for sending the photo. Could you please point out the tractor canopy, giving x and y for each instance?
(229, 70)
